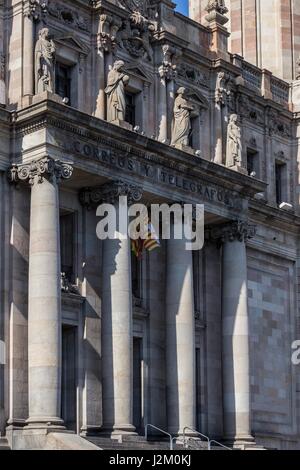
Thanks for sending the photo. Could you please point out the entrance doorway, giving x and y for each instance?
(138, 414)
(69, 377)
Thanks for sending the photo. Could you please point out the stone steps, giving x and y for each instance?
(4, 444)
(140, 443)
(133, 443)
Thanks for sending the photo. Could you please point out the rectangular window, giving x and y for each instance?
(130, 108)
(196, 281)
(136, 272)
(279, 180)
(67, 246)
(63, 81)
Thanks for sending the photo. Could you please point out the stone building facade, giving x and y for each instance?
(95, 340)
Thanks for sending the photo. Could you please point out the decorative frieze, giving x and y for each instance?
(34, 9)
(68, 16)
(38, 170)
(193, 75)
(238, 230)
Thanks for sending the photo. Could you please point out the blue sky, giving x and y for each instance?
(182, 6)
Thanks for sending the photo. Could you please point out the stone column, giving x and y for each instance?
(44, 301)
(116, 328)
(235, 332)
(180, 338)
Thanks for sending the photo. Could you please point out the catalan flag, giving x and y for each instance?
(149, 243)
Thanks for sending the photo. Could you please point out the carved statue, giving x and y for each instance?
(234, 143)
(44, 63)
(182, 120)
(115, 91)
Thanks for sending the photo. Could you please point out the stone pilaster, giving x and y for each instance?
(116, 329)
(235, 330)
(44, 301)
(180, 338)
(33, 11)
(167, 75)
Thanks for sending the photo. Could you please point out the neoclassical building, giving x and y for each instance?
(105, 98)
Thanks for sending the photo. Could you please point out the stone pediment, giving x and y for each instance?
(139, 72)
(72, 42)
(197, 98)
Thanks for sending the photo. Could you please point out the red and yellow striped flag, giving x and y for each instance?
(150, 243)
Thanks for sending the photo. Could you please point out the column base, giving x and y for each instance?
(240, 442)
(49, 423)
(118, 430)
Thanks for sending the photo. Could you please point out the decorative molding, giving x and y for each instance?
(193, 75)
(109, 27)
(38, 170)
(168, 67)
(34, 9)
(216, 10)
(70, 17)
(110, 193)
(236, 231)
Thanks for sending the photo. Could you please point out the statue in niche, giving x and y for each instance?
(44, 63)
(234, 143)
(115, 91)
(182, 121)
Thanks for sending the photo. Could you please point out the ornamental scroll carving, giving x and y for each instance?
(37, 170)
(239, 230)
(110, 193)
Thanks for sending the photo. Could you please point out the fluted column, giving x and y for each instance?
(180, 338)
(44, 302)
(235, 332)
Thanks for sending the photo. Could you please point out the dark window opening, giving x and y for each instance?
(252, 163)
(63, 81)
(130, 108)
(196, 279)
(136, 270)
(279, 168)
(67, 246)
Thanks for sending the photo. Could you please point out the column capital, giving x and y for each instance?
(110, 193)
(38, 170)
(239, 230)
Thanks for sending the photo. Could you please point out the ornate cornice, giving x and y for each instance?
(238, 230)
(110, 193)
(38, 170)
